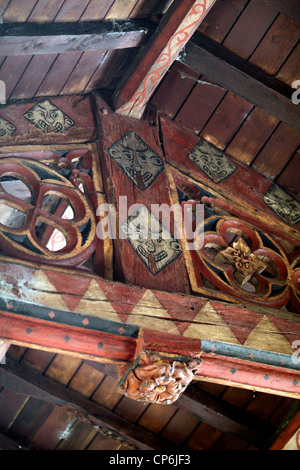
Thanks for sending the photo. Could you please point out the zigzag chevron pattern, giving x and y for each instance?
(146, 311)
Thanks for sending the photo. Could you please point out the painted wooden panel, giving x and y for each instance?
(179, 143)
(57, 120)
(133, 168)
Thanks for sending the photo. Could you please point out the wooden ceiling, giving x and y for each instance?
(62, 402)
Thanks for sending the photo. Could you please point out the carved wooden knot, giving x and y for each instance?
(240, 256)
(157, 380)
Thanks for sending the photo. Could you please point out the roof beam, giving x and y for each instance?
(7, 443)
(212, 410)
(153, 61)
(34, 38)
(22, 379)
(225, 417)
(242, 78)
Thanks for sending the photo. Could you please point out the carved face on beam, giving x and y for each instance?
(151, 241)
(283, 204)
(214, 163)
(136, 159)
(6, 128)
(49, 118)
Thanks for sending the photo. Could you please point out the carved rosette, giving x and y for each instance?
(157, 380)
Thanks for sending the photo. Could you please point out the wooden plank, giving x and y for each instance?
(204, 437)
(224, 417)
(241, 78)
(71, 11)
(251, 137)
(120, 9)
(151, 64)
(59, 73)
(33, 77)
(28, 420)
(45, 11)
(289, 438)
(23, 378)
(277, 151)
(220, 19)
(288, 7)
(174, 89)
(83, 72)
(144, 8)
(11, 404)
(53, 38)
(288, 73)
(11, 71)
(183, 421)
(56, 426)
(156, 417)
(94, 11)
(3, 6)
(289, 177)
(82, 435)
(276, 45)
(205, 96)
(18, 13)
(226, 120)
(260, 15)
(6, 443)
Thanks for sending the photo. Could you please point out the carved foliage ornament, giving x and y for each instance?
(244, 262)
(157, 380)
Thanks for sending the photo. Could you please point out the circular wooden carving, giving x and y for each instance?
(47, 198)
(244, 262)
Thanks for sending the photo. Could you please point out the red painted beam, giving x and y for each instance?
(178, 25)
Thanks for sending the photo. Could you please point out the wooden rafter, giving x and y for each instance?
(213, 411)
(154, 60)
(235, 74)
(33, 38)
(23, 379)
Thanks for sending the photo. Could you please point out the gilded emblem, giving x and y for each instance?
(152, 242)
(214, 163)
(6, 128)
(136, 159)
(283, 204)
(48, 117)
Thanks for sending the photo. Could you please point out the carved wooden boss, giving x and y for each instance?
(82, 274)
